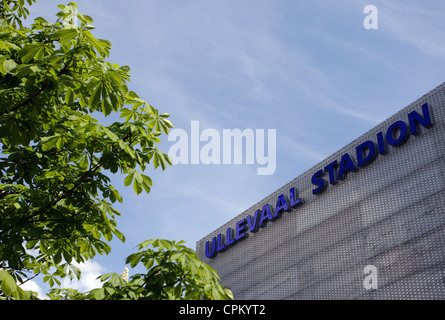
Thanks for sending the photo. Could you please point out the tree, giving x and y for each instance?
(55, 195)
(174, 272)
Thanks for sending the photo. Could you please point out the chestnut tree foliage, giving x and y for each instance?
(56, 199)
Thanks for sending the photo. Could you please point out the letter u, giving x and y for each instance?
(211, 254)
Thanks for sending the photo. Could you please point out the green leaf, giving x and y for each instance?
(146, 183)
(138, 176)
(101, 46)
(74, 271)
(110, 291)
(69, 97)
(110, 134)
(64, 35)
(165, 244)
(83, 164)
(149, 264)
(108, 235)
(129, 179)
(58, 256)
(60, 143)
(107, 106)
(115, 280)
(95, 97)
(137, 187)
(134, 259)
(147, 243)
(127, 149)
(8, 284)
(119, 235)
(28, 52)
(159, 159)
(50, 143)
(9, 65)
(127, 114)
(98, 294)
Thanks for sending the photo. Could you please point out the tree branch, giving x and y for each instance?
(20, 105)
(66, 194)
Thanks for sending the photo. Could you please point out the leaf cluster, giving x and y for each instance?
(56, 198)
(14, 11)
(55, 195)
(174, 272)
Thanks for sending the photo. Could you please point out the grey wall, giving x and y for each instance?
(390, 214)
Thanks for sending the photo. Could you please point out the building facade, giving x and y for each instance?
(368, 222)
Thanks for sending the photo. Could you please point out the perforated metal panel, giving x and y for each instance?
(389, 214)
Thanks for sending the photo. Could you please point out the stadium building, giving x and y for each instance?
(368, 222)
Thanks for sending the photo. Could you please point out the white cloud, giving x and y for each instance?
(90, 270)
(33, 286)
(88, 279)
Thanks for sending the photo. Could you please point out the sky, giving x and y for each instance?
(309, 70)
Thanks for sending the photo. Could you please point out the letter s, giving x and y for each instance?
(318, 181)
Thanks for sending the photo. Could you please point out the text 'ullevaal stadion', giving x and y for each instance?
(365, 153)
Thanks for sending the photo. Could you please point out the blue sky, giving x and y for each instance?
(308, 69)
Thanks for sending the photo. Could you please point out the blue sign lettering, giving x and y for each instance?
(396, 135)
(253, 224)
(365, 153)
(259, 220)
